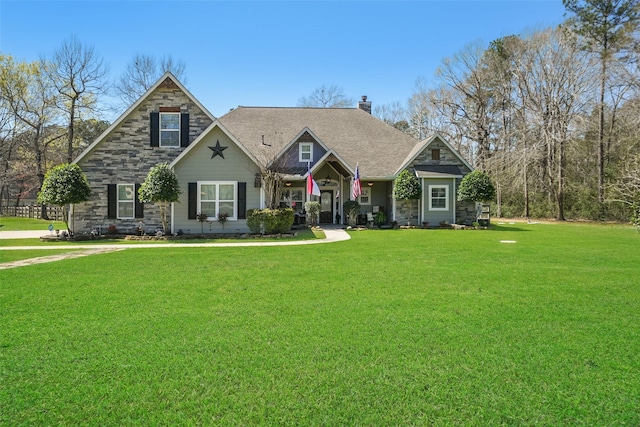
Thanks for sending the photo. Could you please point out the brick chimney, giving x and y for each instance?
(364, 104)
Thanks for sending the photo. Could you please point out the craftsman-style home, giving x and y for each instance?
(219, 164)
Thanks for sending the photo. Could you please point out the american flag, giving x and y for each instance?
(357, 189)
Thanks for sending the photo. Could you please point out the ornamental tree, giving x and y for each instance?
(407, 188)
(64, 185)
(476, 187)
(160, 186)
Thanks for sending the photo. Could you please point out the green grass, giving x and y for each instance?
(9, 256)
(407, 327)
(11, 223)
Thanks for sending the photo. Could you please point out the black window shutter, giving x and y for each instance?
(154, 123)
(242, 200)
(193, 200)
(184, 129)
(112, 202)
(139, 206)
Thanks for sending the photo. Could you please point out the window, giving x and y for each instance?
(217, 197)
(306, 151)
(126, 201)
(438, 197)
(365, 197)
(169, 129)
(293, 198)
(435, 154)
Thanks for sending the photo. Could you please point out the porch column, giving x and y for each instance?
(453, 190)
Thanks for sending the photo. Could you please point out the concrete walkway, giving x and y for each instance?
(29, 234)
(332, 235)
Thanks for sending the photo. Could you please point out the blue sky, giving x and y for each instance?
(263, 53)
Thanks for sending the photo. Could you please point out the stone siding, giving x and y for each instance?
(125, 157)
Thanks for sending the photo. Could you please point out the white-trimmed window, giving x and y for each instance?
(306, 151)
(438, 197)
(365, 197)
(293, 198)
(217, 197)
(126, 201)
(169, 129)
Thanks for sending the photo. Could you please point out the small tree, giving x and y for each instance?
(476, 187)
(202, 218)
(63, 185)
(160, 186)
(407, 188)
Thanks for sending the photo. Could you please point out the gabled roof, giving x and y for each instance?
(423, 145)
(355, 135)
(136, 104)
(215, 124)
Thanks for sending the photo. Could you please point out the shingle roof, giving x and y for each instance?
(355, 135)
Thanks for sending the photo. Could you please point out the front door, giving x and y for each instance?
(326, 207)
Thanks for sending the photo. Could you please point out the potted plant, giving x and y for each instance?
(351, 209)
(313, 210)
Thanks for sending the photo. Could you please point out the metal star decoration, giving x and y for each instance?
(217, 150)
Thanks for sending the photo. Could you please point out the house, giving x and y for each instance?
(219, 162)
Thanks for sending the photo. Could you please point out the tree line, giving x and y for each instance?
(552, 116)
(51, 109)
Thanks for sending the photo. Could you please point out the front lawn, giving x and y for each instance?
(393, 327)
(12, 223)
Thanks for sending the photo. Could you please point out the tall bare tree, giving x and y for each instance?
(79, 75)
(32, 100)
(553, 77)
(326, 97)
(607, 28)
(471, 102)
(142, 72)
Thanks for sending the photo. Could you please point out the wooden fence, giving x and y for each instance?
(32, 211)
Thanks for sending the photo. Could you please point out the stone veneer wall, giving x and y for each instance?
(125, 157)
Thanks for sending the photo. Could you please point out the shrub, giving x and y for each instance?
(254, 220)
(270, 221)
(202, 218)
(476, 187)
(313, 210)
(222, 218)
(407, 186)
(161, 186)
(63, 185)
